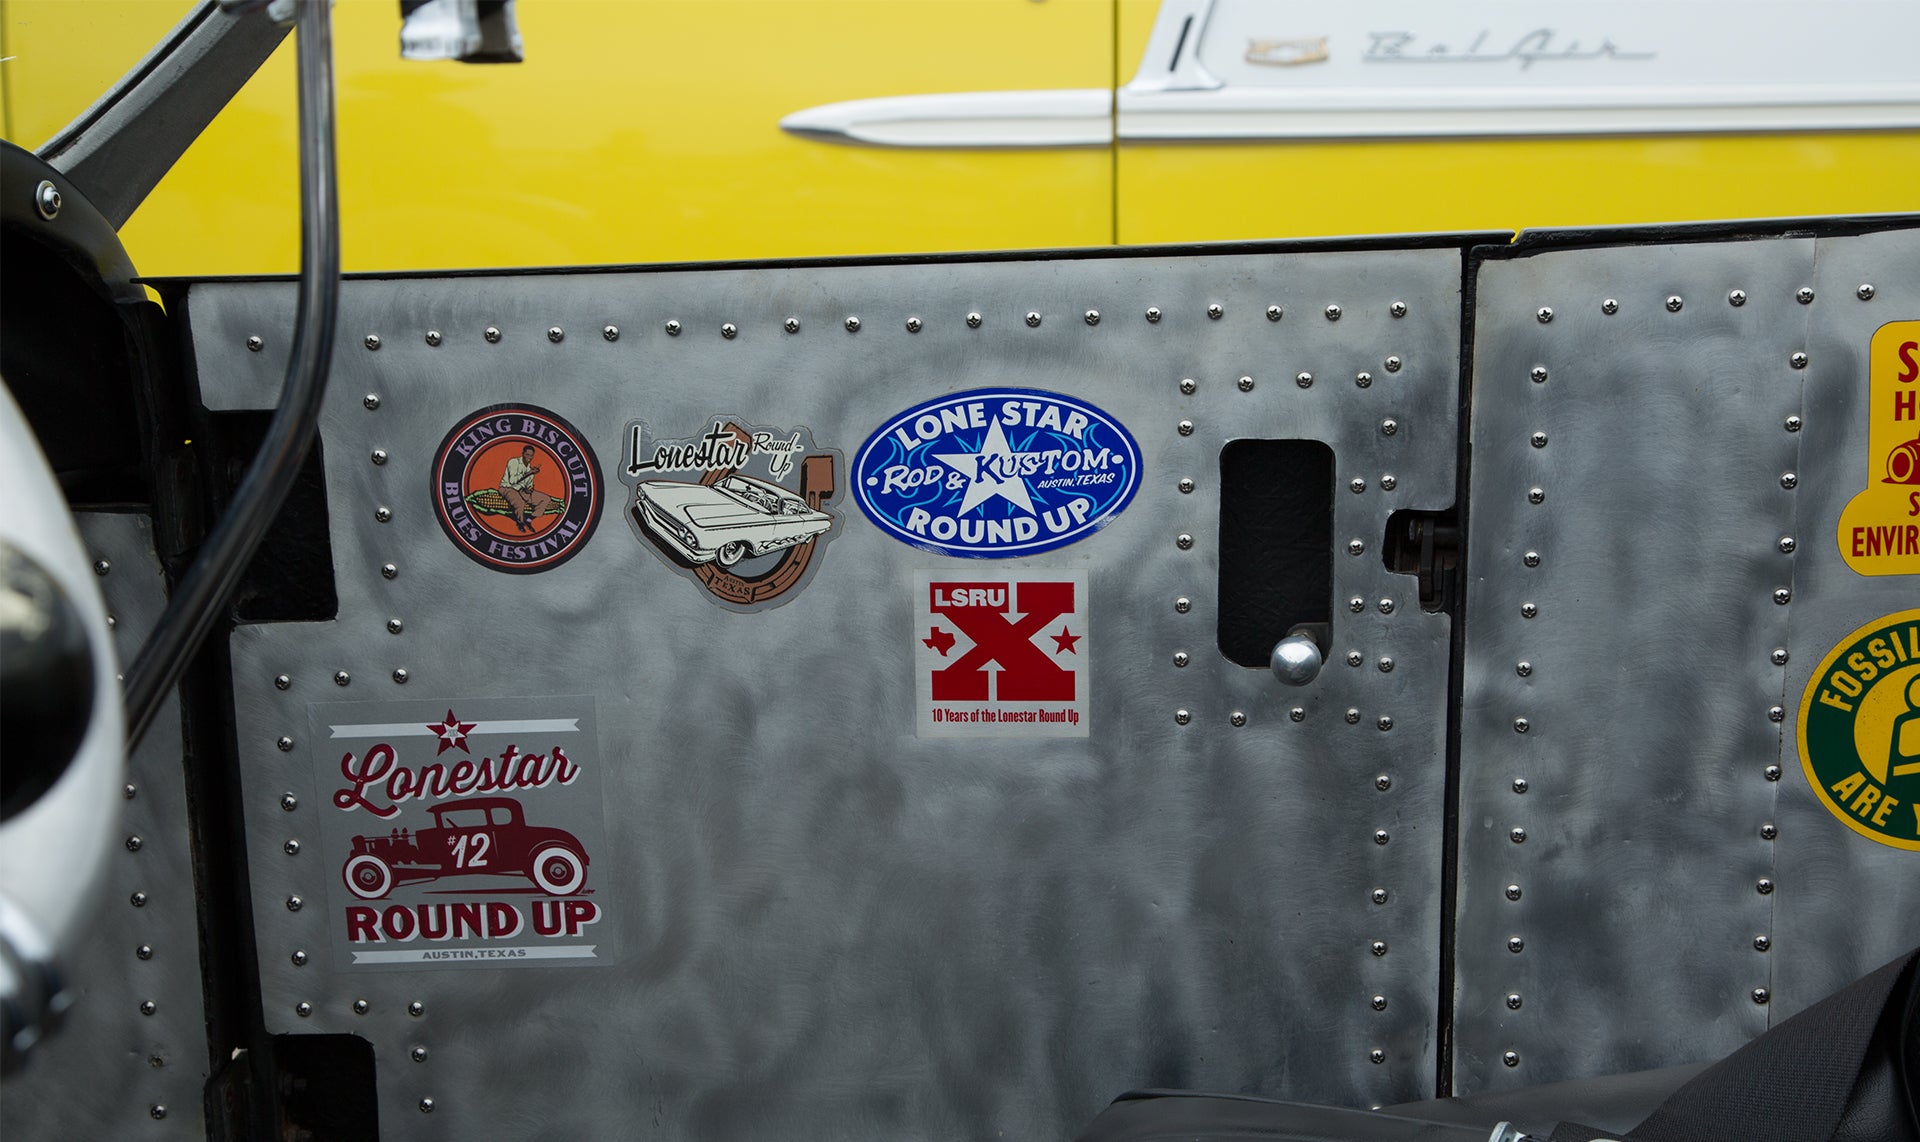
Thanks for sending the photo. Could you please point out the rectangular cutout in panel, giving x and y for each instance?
(1276, 543)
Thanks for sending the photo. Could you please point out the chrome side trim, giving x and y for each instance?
(1074, 117)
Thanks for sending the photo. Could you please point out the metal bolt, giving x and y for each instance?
(388, 571)
(1182, 717)
(299, 958)
(1379, 896)
(379, 456)
(1398, 309)
(1674, 303)
(1513, 1001)
(1773, 773)
(1789, 480)
(913, 325)
(1516, 945)
(1787, 544)
(1385, 723)
(1521, 725)
(791, 325)
(416, 1009)
(1379, 1002)
(147, 1007)
(1539, 374)
(1513, 892)
(1519, 785)
(1529, 610)
(1544, 313)
(294, 903)
(1782, 596)
(1033, 319)
(289, 802)
(1304, 380)
(1762, 943)
(1356, 547)
(1865, 292)
(292, 847)
(418, 1054)
(1386, 606)
(371, 341)
(853, 324)
(341, 678)
(1180, 658)
(1380, 837)
(1538, 440)
(1385, 665)
(1389, 426)
(303, 1009)
(1185, 486)
(133, 843)
(1183, 604)
(1356, 604)
(1531, 559)
(1377, 1055)
(1153, 313)
(400, 675)
(144, 951)
(1387, 482)
(1610, 307)
(360, 1007)
(611, 333)
(1379, 947)
(974, 319)
(1392, 364)
(1769, 831)
(1536, 495)
(1737, 298)
(1187, 385)
(1357, 486)
(1184, 428)
(130, 790)
(46, 200)
(555, 334)
(254, 344)
(1297, 714)
(371, 401)
(138, 900)
(1776, 713)
(1363, 379)
(1511, 1058)
(1093, 317)
(1246, 384)
(1761, 995)
(673, 328)
(395, 626)
(1237, 718)
(1354, 658)
(1804, 295)
(1273, 313)
(1214, 312)
(426, 1106)
(1779, 656)
(1383, 783)
(1352, 716)
(1523, 668)
(1798, 360)
(1763, 886)
(1183, 541)
(1517, 835)
(727, 329)
(383, 514)
(1333, 313)
(1792, 424)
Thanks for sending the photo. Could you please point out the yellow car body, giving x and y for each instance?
(650, 130)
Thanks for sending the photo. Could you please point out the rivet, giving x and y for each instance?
(1761, 995)
(1779, 656)
(1273, 313)
(1214, 312)
(1789, 480)
(1363, 379)
(138, 900)
(853, 324)
(1538, 440)
(299, 958)
(1354, 658)
(303, 1009)
(130, 790)
(1304, 380)
(1762, 943)
(1519, 785)
(1523, 668)
(294, 903)
(1185, 428)
(492, 334)
(1033, 319)
(1379, 947)
(144, 951)
(426, 1106)
(1185, 485)
(673, 328)
(371, 401)
(1516, 945)
(388, 571)
(1389, 426)
(416, 1009)
(1187, 385)
(1385, 723)
(1356, 604)
(158, 1110)
(371, 341)
(1865, 292)
(1792, 424)
(1513, 892)
(1782, 596)
(1787, 544)
(379, 456)
(1180, 658)
(281, 682)
(1377, 1055)
(400, 675)
(1513, 1001)
(973, 320)
(1763, 886)
(383, 514)
(1355, 547)
(1183, 541)
(1398, 309)
(1517, 835)
(1357, 485)
(1674, 303)
(1387, 482)
(46, 200)
(791, 325)
(418, 1054)
(133, 843)
(254, 344)
(1182, 717)
(289, 802)
(1511, 1058)
(1737, 298)
(1772, 773)
(1529, 610)
(1153, 313)
(147, 1007)
(112, 622)
(1544, 313)
(1392, 364)
(1183, 604)
(611, 333)
(1380, 837)
(395, 626)
(1804, 295)
(1352, 716)
(1386, 606)
(1385, 665)
(1379, 1002)
(1379, 896)
(1297, 714)
(1093, 317)
(727, 329)
(1610, 307)
(1246, 384)
(360, 1007)
(1521, 725)
(1333, 313)
(341, 678)
(1237, 718)
(1531, 559)
(1539, 374)
(1536, 495)
(913, 325)
(1798, 360)
(1776, 713)
(292, 847)
(1383, 783)
(555, 334)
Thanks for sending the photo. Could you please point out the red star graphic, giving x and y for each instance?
(451, 732)
(938, 640)
(1064, 641)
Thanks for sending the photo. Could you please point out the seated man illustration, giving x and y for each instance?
(516, 484)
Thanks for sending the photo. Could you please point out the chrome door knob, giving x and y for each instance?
(1297, 660)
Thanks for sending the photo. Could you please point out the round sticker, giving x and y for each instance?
(517, 488)
(1860, 730)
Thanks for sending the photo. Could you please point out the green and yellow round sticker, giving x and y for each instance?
(1860, 730)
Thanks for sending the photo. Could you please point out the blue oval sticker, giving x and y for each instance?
(996, 473)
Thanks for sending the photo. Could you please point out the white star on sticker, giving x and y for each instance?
(986, 484)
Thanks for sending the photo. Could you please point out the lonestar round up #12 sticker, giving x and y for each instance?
(516, 488)
(1860, 730)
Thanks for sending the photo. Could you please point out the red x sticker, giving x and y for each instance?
(1001, 656)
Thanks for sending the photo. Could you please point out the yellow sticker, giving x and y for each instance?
(1880, 528)
(1860, 730)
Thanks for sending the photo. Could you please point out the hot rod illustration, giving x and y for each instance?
(484, 836)
(726, 521)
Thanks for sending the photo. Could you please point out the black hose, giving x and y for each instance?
(210, 582)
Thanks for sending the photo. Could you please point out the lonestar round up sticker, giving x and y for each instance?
(997, 473)
(516, 488)
(1860, 730)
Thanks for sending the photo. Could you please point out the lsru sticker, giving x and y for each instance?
(997, 473)
(1001, 657)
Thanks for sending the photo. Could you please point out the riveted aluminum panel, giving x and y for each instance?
(111, 1065)
(1647, 674)
(819, 919)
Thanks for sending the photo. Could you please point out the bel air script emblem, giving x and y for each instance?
(997, 473)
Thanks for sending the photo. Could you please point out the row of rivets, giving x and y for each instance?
(1735, 298)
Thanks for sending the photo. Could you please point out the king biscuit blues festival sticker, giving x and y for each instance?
(1860, 730)
(1000, 655)
(996, 473)
(465, 833)
(1880, 526)
(516, 488)
(740, 509)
